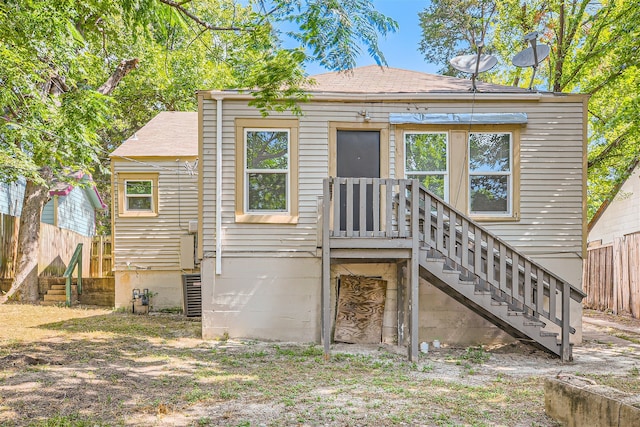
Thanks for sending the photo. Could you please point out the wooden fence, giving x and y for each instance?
(611, 276)
(101, 257)
(8, 241)
(56, 248)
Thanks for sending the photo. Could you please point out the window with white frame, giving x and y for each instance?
(137, 194)
(426, 159)
(267, 170)
(490, 173)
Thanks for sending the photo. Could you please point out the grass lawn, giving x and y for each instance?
(88, 367)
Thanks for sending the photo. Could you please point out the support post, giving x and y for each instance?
(402, 292)
(326, 271)
(415, 272)
(565, 345)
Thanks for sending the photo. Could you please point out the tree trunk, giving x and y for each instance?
(24, 287)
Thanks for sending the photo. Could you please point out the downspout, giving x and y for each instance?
(219, 185)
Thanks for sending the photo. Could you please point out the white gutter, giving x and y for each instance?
(219, 184)
(403, 97)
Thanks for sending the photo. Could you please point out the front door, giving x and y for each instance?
(358, 156)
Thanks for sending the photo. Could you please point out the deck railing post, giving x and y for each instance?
(565, 345)
(415, 272)
(326, 265)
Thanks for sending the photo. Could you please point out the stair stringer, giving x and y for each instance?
(513, 322)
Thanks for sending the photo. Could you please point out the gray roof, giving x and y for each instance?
(170, 133)
(375, 79)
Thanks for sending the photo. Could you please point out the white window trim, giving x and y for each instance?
(509, 175)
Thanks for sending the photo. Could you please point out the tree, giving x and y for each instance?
(594, 50)
(79, 76)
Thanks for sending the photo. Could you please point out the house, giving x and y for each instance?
(400, 207)
(71, 207)
(155, 206)
(611, 275)
(68, 218)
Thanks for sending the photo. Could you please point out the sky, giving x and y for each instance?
(399, 48)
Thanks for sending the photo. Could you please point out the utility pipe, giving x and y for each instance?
(219, 185)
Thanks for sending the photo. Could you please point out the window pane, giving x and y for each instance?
(139, 203)
(489, 152)
(426, 152)
(138, 187)
(489, 193)
(268, 192)
(267, 149)
(433, 183)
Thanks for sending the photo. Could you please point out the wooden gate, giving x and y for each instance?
(101, 257)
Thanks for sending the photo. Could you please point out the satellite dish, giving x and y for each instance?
(474, 64)
(531, 56)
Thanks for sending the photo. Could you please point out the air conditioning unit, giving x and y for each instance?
(192, 295)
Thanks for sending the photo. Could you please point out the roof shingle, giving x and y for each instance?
(170, 133)
(375, 79)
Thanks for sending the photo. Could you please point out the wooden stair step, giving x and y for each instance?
(54, 298)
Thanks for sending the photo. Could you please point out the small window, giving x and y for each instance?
(426, 155)
(138, 194)
(267, 171)
(490, 174)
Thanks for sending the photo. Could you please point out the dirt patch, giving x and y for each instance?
(91, 367)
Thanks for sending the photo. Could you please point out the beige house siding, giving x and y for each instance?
(146, 249)
(261, 293)
(551, 174)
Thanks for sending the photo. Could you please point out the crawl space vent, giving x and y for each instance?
(192, 295)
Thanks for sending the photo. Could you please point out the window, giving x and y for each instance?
(474, 168)
(267, 170)
(266, 175)
(137, 194)
(426, 159)
(490, 169)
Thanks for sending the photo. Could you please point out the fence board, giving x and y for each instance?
(8, 245)
(56, 248)
(611, 276)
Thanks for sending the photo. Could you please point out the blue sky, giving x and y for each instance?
(399, 48)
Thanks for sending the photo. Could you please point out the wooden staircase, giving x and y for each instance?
(452, 252)
(56, 294)
(494, 279)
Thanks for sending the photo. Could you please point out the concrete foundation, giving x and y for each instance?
(263, 298)
(164, 286)
(578, 403)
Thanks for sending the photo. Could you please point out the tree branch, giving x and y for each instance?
(124, 68)
(199, 21)
(604, 153)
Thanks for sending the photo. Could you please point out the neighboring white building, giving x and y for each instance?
(621, 216)
(154, 209)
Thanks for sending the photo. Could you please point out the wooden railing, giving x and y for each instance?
(367, 207)
(500, 268)
(382, 208)
(76, 260)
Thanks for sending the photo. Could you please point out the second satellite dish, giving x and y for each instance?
(531, 56)
(474, 64)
